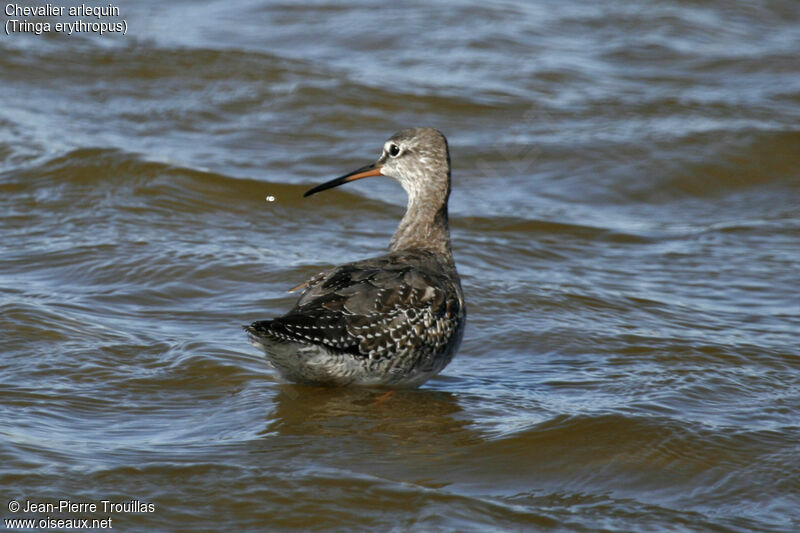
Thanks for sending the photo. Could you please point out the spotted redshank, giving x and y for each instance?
(394, 320)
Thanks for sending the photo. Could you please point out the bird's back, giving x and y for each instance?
(396, 319)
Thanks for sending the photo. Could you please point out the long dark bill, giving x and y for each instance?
(372, 169)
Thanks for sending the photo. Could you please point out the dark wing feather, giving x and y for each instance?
(372, 308)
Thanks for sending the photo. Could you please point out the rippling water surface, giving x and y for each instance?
(625, 216)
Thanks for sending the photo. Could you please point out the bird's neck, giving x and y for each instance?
(424, 226)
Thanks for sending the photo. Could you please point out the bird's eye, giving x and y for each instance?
(394, 150)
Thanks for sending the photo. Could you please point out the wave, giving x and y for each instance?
(709, 166)
(111, 176)
(637, 454)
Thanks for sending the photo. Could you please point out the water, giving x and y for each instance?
(625, 217)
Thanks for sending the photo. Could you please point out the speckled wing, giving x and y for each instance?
(391, 305)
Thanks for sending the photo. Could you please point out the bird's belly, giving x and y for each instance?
(305, 363)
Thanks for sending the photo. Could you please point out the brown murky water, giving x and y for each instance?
(625, 216)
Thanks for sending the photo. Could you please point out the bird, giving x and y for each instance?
(394, 320)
